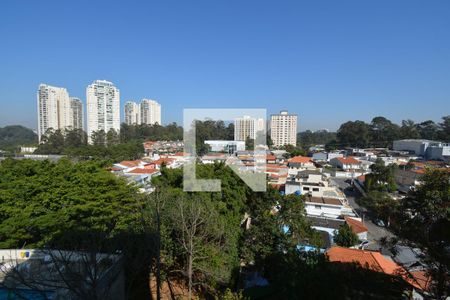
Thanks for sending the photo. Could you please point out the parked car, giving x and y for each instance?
(363, 244)
(379, 222)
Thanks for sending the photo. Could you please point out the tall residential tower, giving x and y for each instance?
(54, 109)
(77, 113)
(103, 107)
(150, 112)
(283, 129)
(132, 113)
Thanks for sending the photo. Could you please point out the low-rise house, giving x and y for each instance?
(327, 207)
(357, 227)
(300, 163)
(327, 225)
(326, 156)
(271, 159)
(313, 183)
(346, 163)
(211, 158)
(419, 281)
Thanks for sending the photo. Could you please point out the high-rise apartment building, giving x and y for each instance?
(150, 112)
(103, 107)
(132, 113)
(244, 128)
(283, 129)
(54, 110)
(77, 113)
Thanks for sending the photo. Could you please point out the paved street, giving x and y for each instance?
(375, 233)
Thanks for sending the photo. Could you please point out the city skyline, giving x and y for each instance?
(341, 57)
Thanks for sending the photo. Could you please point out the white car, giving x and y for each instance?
(379, 222)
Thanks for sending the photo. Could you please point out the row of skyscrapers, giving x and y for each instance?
(57, 110)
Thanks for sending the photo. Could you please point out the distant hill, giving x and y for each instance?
(16, 135)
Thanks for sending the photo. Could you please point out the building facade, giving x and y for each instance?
(425, 148)
(103, 107)
(283, 129)
(132, 113)
(244, 128)
(54, 109)
(226, 146)
(76, 107)
(150, 112)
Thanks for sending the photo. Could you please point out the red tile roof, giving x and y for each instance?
(348, 160)
(355, 225)
(143, 171)
(300, 160)
(162, 160)
(375, 261)
(367, 259)
(130, 163)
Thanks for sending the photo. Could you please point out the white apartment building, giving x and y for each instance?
(132, 113)
(103, 107)
(150, 112)
(54, 109)
(283, 129)
(76, 107)
(247, 127)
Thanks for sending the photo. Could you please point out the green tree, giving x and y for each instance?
(354, 134)
(41, 200)
(382, 177)
(345, 236)
(409, 130)
(425, 220)
(382, 204)
(383, 132)
(52, 142)
(444, 129)
(112, 138)
(98, 138)
(249, 143)
(428, 130)
(74, 138)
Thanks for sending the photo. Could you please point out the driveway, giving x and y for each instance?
(375, 233)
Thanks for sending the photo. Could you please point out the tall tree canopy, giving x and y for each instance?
(39, 201)
(354, 133)
(425, 220)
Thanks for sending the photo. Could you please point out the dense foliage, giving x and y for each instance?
(345, 236)
(381, 132)
(40, 201)
(319, 137)
(104, 146)
(424, 218)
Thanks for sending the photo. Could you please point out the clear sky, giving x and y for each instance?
(327, 61)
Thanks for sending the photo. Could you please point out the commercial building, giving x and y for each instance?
(425, 148)
(103, 107)
(132, 113)
(54, 109)
(283, 129)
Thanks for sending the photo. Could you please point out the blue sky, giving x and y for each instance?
(327, 61)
